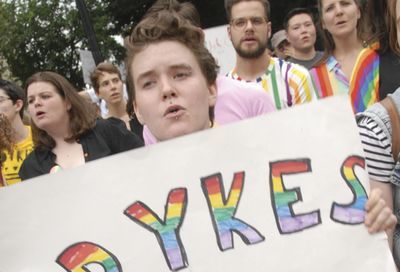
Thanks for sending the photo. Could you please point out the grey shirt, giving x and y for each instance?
(307, 63)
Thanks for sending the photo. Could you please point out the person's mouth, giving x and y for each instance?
(174, 111)
(40, 114)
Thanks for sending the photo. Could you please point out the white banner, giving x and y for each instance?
(283, 192)
(220, 46)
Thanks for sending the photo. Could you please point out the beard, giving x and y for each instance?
(251, 53)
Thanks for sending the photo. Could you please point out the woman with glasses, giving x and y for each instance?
(349, 65)
(16, 137)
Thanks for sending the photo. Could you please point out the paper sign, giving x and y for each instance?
(220, 46)
(282, 192)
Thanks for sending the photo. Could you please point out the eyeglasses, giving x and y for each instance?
(241, 23)
(2, 99)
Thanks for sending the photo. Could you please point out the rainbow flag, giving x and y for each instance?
(364, 84)
(363, 87)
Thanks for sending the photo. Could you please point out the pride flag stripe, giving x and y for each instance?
(354, 212)
(222, 211)
(364, 85)
(167, 231)
(282, 199)
(77, 256)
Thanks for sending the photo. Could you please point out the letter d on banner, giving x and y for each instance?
(76, 258)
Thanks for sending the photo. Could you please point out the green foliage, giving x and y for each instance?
(40, 35)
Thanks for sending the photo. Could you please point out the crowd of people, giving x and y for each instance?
(181, 92)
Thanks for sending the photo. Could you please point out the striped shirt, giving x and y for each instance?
(378, 150)
(287, 83)
(363, 86)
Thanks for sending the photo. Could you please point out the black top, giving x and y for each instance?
(136, 127)
(389, 73)
(106, 138)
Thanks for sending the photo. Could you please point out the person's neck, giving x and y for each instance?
(21, 132)
(307, 54)
(347, 46)
(249, 69)
(60, 132)
(117, 110)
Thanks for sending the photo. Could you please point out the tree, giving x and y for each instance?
(39, 35)
(42, 35)
(126, 13)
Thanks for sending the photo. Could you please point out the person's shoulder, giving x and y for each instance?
(105, 123)
(295, 71)
(291, 67)
(226, 84)
(244, 94)
(35, 163)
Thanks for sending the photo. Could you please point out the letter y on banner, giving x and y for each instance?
(167, 231)
(223, 211)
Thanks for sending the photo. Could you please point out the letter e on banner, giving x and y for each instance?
(282, 199)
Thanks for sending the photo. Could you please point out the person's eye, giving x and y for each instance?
(45, 96)
(257, 20)
(329, 8)
(148, 84)
(115, 80)
(31, 100)
(240, 22)
(181, 75)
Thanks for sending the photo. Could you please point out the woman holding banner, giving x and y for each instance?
(380, 131)
(174, 94)
(65, 130)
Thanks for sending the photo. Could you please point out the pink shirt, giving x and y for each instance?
(236, 101)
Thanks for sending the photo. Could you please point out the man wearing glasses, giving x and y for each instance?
(249, 30)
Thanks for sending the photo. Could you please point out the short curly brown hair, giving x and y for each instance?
(169, 25)
(6, 135)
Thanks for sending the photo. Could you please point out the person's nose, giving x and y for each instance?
(167, 89)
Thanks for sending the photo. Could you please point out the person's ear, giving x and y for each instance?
(68, 105)
(269, 30)
(137, 113)
(212, 99)
(229, 32)
(18, 105)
